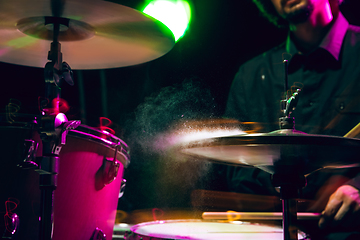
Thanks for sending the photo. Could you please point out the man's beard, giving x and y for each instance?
(300, 15)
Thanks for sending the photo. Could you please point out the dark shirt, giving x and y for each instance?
(329, 101)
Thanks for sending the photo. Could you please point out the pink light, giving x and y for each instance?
(4, 51)
(60, 119)
(328, 11)
(104, 125)
(154, 211)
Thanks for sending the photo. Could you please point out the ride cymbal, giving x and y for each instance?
(94, 34)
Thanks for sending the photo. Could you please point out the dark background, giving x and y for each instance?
(222, 35)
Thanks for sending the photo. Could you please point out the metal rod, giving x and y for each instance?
(289, 219)
(47, 210)
(286, 81)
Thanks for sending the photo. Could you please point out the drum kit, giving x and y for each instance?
(64, 178)
(75, 197)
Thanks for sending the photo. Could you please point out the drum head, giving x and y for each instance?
(201, 230)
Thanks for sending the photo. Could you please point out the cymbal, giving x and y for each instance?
(94, 34)
(278, 152)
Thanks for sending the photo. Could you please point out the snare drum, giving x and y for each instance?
(201, 230)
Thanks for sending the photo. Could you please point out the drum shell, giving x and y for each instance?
(80, 208)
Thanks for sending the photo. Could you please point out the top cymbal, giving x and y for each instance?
(278, 152)
(94, 34)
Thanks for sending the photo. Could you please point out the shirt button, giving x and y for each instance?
(342, 106)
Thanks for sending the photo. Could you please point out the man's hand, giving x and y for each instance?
(342, 209)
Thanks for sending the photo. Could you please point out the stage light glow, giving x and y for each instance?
(175, 14)
(21, 42)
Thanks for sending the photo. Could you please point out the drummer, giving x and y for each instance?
(323, 52)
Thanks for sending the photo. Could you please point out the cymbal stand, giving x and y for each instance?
(53, 129)
(56, 71)
(290, 185)
(288, 177)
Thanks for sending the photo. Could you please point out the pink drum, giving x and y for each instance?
(201, 230)
(89, 182)
(88, 188)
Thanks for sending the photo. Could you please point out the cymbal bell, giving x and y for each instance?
(93, 34)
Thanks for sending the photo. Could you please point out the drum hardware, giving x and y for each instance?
(122, 188)
(286, 177)
(56, 71)
(13, 223)
(287, 107)
(290, 185)
(108, 171)
(54, 126)
(29, 153)
(98, 235)
(53, 130)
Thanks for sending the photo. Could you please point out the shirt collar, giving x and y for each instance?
(332, 41)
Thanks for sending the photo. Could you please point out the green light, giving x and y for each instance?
(175, 14)
(21, 42)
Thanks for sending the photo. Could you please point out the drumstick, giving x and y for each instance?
(353, 132)
(233, 216)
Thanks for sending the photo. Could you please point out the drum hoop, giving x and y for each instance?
(106, 139)
(29, 121)
(134, 228)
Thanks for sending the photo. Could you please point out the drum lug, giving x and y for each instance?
(122, 188)
(98, 235)
(106, 173)
(12, 224)
(29, 154)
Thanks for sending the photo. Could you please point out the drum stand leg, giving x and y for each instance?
(289, 208)
(53, 130)
(289, 192)
(48, 181)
